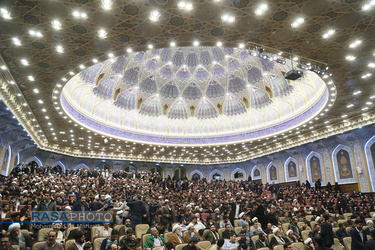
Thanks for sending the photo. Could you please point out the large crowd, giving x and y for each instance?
(228, 214)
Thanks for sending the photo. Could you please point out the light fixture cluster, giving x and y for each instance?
(298, 22)
(35, 33)
(106, 4)
(79, 14)
(154, 15)
(350, 58)
(228, 18)
(367, 75)
(56, 24)
(16, 41)
(185, 5)
(102, 33)
(262, 8)
(5, 13)
(328, 34)
(59, 49)
(369, 5)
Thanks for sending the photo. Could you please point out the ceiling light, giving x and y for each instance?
(366, 75)
(368, 5)
(366, 108)
(81, 66)
(298, 22)
(44, 110)
(355, 43)
(40, 101)
(261, 9)
(75, 13)
(47, 117)
(129, 50)
(94, 60)
(241, 45)
(150, 46)
(31, 78)
(12, 82)
(102, 33)
(350, 105)
(24, 62)
(5, 13)
(173, 44)
(228, 18)
(71, 73)
(110, 55)
(328, 34)
(343, 116)
(154, 15)
(371, 65)
(36, 91)
(195, 43)
(56, 24)
(219, 44)
(369, 103)
(350, 58)
(35, 33)
(3, 67)
(185, 5)
(59, 49)
(16, 41)
(106, 4)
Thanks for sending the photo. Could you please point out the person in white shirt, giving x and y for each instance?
(198, 225)
(230, 244)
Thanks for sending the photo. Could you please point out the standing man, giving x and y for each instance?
(235, 210)
(138, 211)
(167, 213)
(47, 204)
(326, 231)
(81, 205)
(359, 237)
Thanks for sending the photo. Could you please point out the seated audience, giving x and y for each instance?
(129, 241)
(154, 240)
(176, 237)
(51, 243)
(113, 239)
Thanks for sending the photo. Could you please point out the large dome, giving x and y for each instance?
(192, 96)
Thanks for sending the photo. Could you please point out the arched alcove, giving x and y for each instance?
(59, 163)
(157, 170)
(343, 165)
(370, 159)
(179, 173)
(291, 170)
(36, 159)
(256, 174)
(272, 173)
(196, 175)
(81, 166)
(238, 174)
(6, 160)
(217, 175)
(315, 169)
(130, 168)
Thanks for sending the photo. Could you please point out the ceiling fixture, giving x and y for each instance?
(228, 18)
(154, 16)
(368, 5)
(78, 14)
(357, 92)
(16, 41)
(150, 46)
(94, 61)
(35, 33)
(350, 58)
(36, 91)
(355, 44)
(24, 62)
(371, 65)
(106, 4)
(293, 74)
(185, 5)
(5, 13)
(173, 44)
(56, 24)
(31, 78)
(261, 9)
(59, 49)
(195, 43)
(298, 22)
(241, 45)
(129, 50)
(102, 33)
(219, 44)
(366, 75)
(328, 34)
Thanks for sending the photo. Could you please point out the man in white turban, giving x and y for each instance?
(17, 238)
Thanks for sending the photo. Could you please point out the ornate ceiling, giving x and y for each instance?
(148, 66)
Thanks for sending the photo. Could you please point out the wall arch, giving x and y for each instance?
(6, 160)
(196, 172)
(217, 171)
(59, 163)
(289, 176)
(34, 158)
(253, 173)
(268, 169)
(308, 168)
(238, 170)
(370, 161)
(337, 164)
(80, 166)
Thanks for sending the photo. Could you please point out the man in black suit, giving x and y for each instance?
(235, 210)
(326, 231)
(370, 245)
(341, 233)
(81, 205)
(319, 243)
(358, 236)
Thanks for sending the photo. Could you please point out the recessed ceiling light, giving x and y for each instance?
(185, 5)
(298, 22)
(129, 50)
(3, 67)
(173, 44)
(16, 41)
(71, 73)
(5, 13)
(81, 66)
(228, 18)
(94, 60)
(154, 15)
(350, 58)
(150, 46)
(40, 101)
(36, 91)
(35, 33)
(56, 24)
(59, 49)
(261, 9)
(102, 33)
(31, 78)
(106, 4)
(219, 44)
(241, 45)
(44, 110)
(367, 75)
(355, 44)
(371, 65)
(110, 54)
(195, 43)
(47, 117)
(24, 62)
(329, 33)
(350, 105)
